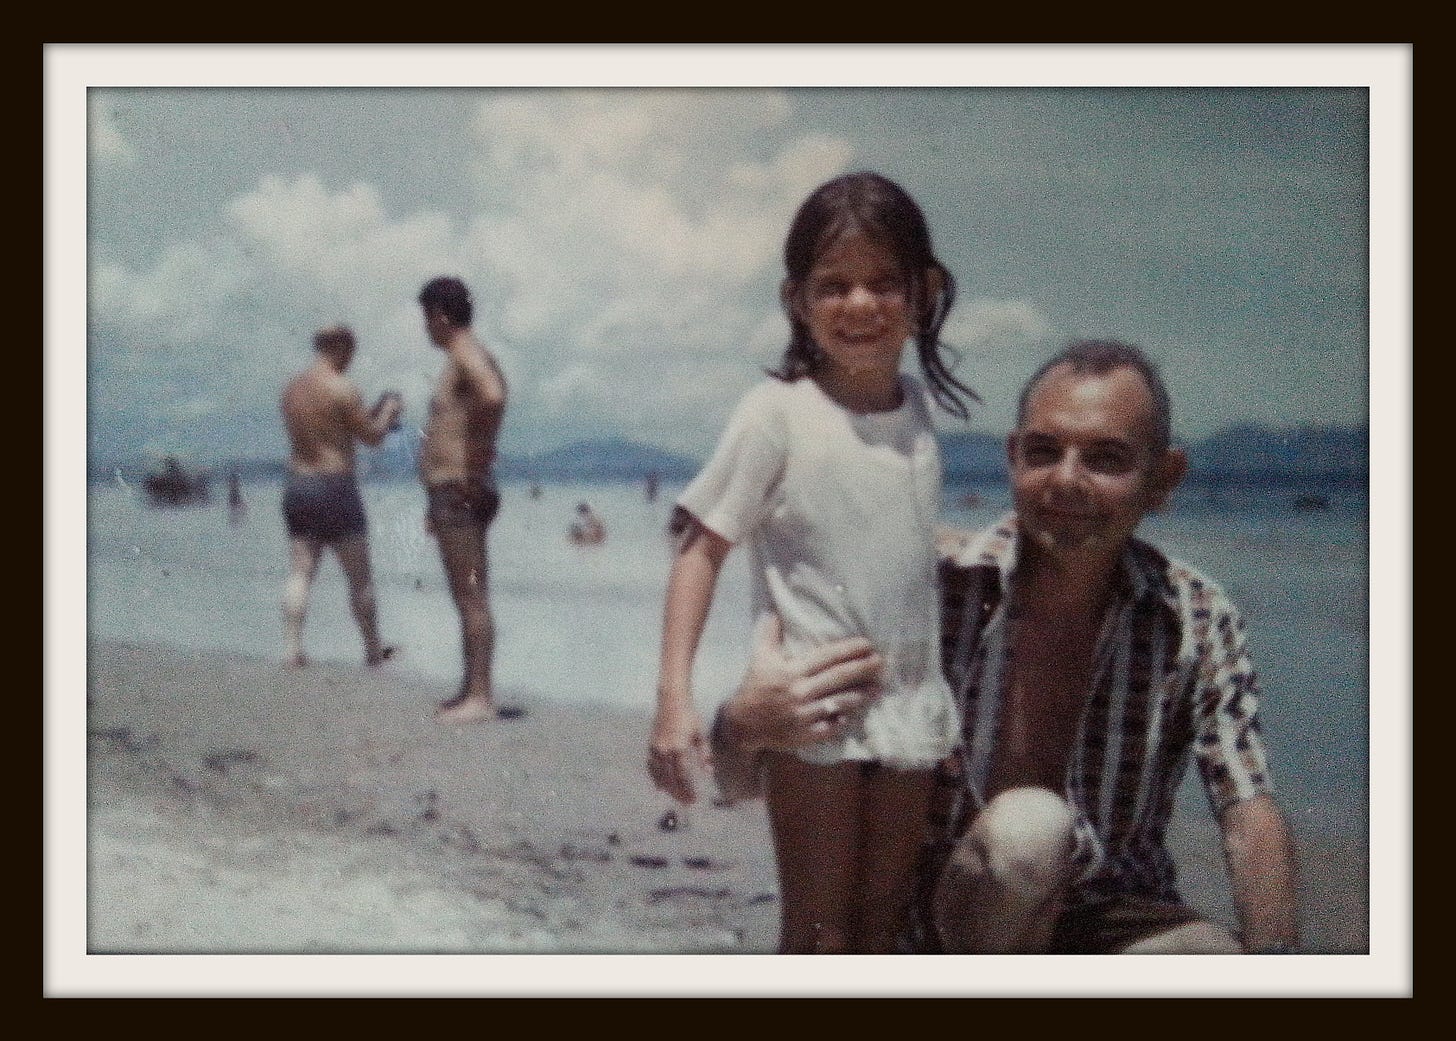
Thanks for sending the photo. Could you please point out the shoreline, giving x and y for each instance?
(236, 806)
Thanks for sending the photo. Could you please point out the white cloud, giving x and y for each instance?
(998, 344)
(571, 388)
(623, 245)
(108, 145)
(640, 204)
(178, 303)
(199, 406)
(341, 245)
(983, 325)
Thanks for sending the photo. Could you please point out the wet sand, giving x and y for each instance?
(236, 806)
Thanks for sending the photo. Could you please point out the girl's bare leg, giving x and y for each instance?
(814, 812)
(894, 815)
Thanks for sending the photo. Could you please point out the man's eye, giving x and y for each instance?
(887, 286)
(823, 289)
(1109, 462)
(1040, 455)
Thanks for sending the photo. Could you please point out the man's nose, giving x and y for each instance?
(1069, 468)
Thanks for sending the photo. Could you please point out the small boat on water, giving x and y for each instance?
(174, 485)
(1311, 503)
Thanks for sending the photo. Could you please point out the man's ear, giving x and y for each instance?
(1168, 475)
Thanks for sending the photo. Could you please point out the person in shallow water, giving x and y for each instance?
(325, 415)
(456, 464)
(588, 528)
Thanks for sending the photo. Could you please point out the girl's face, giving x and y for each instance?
(857, 304)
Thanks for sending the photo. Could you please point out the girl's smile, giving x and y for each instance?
(856, 304)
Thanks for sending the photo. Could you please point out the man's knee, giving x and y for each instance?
(1017, 854)
(295, 593)
(1026, 835)
(1201, 937)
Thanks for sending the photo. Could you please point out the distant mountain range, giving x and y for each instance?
(1242, 453)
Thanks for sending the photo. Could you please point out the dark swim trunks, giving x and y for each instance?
(323, 506)
(456, 504)
(1106, 926)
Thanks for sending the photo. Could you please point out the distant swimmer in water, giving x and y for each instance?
(651, 489)
(325, 414)
(535, 490)
(587, 529)
(237, 508)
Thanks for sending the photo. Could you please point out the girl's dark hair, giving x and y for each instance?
(880, 208)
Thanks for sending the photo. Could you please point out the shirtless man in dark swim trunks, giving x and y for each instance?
(456, 459)
(325, 415)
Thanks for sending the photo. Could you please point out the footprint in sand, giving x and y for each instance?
(219, 762)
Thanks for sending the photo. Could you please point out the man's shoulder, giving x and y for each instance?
(990, 547)
(1196, 595)
(313, 386)
(340, 388)
(477, 361)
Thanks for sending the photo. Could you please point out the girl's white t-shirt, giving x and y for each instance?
(838, 510)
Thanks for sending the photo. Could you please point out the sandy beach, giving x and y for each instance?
(236, 806)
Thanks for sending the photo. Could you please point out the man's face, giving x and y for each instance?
(437, 326)
(1083, 469)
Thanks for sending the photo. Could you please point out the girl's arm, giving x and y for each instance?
(678, 740)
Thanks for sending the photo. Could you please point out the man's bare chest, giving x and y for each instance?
(1045, 686)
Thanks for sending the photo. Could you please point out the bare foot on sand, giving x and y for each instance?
(385, 653)
(298, 661)
(465, 709)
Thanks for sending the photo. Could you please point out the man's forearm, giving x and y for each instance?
(737, 766)
(1261, 865)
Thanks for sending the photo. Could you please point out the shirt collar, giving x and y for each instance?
(1141, 573)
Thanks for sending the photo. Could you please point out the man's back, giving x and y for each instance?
(318, 406)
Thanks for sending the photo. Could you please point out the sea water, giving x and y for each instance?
(583, 624)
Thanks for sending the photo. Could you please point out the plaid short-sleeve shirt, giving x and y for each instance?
(1172, 681)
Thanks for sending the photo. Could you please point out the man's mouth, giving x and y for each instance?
(1062, 515)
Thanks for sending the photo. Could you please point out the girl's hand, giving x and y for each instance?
(678, 747)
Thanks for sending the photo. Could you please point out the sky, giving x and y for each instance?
(623, 245)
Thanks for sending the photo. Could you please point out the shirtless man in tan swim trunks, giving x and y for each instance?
(455, 465)
(325, 415)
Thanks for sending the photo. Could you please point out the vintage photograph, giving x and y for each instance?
(710, 519)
